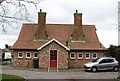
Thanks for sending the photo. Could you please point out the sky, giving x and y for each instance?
(101, 13)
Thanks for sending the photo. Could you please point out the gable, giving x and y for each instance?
(53, 40)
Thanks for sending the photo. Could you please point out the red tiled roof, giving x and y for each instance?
(62, 33)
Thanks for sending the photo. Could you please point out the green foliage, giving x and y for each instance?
(114, 51)
(6, 77)
(118, 78)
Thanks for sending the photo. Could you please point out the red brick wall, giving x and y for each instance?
(23, 62)
(44, 60)
(80, 62)
(64, 60)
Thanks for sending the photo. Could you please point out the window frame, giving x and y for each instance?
(94, 57)
(110, 60)
(34, 54)
(103, 61)
(19, 55)
(27, 56)
(71, 54)
(80, 57)
(87, 57)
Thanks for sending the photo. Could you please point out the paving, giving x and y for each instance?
(36, 74)
(71, 80)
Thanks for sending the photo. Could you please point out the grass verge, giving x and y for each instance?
(3, 64)
(6, 77)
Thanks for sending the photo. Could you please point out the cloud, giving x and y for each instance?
(108, 37)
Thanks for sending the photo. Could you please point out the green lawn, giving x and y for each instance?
(6, 77)
(3, 64)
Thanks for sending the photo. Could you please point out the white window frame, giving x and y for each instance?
(71, 54)
(27, 56)
(80, 57)
(94, 57)
(87, 57)
(34, 54)
(19, 53)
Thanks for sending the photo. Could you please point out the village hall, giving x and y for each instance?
(59, 46)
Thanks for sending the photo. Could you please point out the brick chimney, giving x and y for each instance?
(78, 25)
(41, 30)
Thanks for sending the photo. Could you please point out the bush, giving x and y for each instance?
(118, 78)
(114, 51)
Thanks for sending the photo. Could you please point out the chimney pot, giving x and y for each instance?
(6, 46)
(76, 11)
(40, 10)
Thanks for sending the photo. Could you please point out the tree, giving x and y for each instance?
(114, 51)
(19, 12)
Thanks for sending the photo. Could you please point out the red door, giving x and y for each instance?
(53, 58)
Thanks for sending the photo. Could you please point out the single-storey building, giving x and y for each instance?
(56, 45)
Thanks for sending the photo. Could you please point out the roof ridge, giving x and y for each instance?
(60, 24)
(30, 24)
(88, 25)
(57, 24)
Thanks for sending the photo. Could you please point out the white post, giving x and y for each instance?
(48, 69)
(57, 69)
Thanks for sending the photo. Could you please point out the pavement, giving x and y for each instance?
(71, 80)
(82, 76)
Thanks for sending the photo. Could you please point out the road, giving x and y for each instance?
(72, 80)
(77, 76)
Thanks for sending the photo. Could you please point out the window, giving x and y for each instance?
(80, 56)
(104, 61)
(28, 54)
(110, 60)
(94, 55)
(107, 61)
(87, 56)
(72, 55)
(36, 55)
(20, 54)
(53, 54)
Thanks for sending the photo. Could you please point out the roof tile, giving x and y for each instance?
(60, 32)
